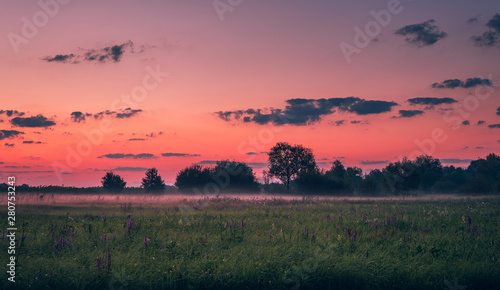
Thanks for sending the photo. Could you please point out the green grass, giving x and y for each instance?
(192, 245)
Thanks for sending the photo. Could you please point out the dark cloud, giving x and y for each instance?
(307, 111)
(409, 113)
(422, 34)
(136, 139)
(251, 153)
(128, 156)
(471, 20)
(340, 122)
(455, 161)
(479, 147)
(207, 162)
(466, 123)
(431, 102)
(179, 155)
(494, 126)
(37, 121)
(127, 113)
(480, 122)
(78, 116)
(468, 83)
(498, 111)
(355, 122)
(374, 162)
(60, 58)
(112, 53)
(17, 166)
(6, 134)
(10, 113)
(492, 37)
(130, 169)
(122, 114)
(364, 107)
(262, 164)
(9, 145)
(32, 142)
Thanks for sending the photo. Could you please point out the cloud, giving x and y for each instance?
(340, 122)
(128, 156)
(112, 53)
(498, 111)
(409, 113)
(122, 114)
(136, 139)
(422, 34)
(480, 122)
(471, 20)
(307, 111)
(130, 169)
(60, 58)
(455, 161)
(491, 37)
(479, 147)
(10, 113)
(207, 162)
(371, 107)
(6, 134)
(32, 142)
(179, 155)
(374, 162)
(468, 83)
(78, 116)
(355, 121)
(494, 126)
(37, 121)
(251, 153)
(431, 102)
(9, 145)
(466, 123)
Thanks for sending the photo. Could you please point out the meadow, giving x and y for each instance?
(227, 243)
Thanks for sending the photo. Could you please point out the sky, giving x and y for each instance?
(93, 86)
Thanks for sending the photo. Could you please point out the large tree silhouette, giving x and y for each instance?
(153, 182)
(286, 161)
(113, 182)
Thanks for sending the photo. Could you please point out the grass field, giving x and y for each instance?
(258, 244)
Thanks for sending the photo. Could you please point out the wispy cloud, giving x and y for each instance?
(422, 34)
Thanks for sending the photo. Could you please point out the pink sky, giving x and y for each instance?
(255, 56)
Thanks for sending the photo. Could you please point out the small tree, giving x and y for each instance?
(153, 182)
(113, 182)
(286, 161)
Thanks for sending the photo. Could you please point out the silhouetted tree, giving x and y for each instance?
(194, 176)
(429, 170)
(286, 161)
(153, 182)
(372, 183)
(113, 182)
(234, 176)
(401, 176)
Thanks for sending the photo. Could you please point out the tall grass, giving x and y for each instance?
(259, 244)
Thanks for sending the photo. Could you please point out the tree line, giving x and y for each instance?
(293, 168)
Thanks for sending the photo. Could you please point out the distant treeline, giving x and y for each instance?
(293, 169)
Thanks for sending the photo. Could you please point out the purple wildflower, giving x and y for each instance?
(109, 260)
